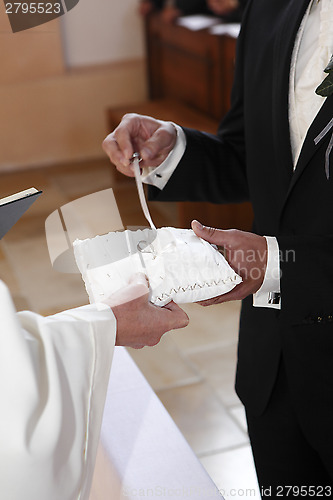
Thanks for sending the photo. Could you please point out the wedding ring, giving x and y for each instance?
(136, 156)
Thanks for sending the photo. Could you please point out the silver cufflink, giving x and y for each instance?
(274, 298)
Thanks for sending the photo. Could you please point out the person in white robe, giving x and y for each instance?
(54, 373)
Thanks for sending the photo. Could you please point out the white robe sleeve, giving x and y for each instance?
(54, 373)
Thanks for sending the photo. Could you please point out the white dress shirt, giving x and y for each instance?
(312, 51)
(54, 374)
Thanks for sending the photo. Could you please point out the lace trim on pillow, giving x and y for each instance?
(195, 286)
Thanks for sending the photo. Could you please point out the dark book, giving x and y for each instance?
(13, 207)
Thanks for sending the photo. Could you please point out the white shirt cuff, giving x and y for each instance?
(159, 176)
(268, 294)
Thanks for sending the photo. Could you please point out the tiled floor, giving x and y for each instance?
(192, 370)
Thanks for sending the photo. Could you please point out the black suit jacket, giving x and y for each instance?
(250, 159)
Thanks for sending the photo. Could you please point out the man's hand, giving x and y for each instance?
(153, 139)
(246, 254)
(139, 322)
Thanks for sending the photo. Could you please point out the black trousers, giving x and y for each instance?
(287, 465)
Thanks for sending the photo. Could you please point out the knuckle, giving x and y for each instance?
(211, 231)
(107, 142)
(128, 116)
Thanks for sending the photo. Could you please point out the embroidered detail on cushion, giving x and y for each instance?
(195, 286)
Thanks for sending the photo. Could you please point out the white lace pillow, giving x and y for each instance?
(179, 265)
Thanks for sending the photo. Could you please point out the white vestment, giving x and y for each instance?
(54, 373)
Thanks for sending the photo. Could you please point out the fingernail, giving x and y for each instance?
(198, 224)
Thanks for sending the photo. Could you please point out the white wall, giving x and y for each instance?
(60, 115)
(102, 31)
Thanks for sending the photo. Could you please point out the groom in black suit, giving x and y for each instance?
(269, 149)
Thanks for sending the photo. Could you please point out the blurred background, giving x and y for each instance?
(63, 85)
(57, 80)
